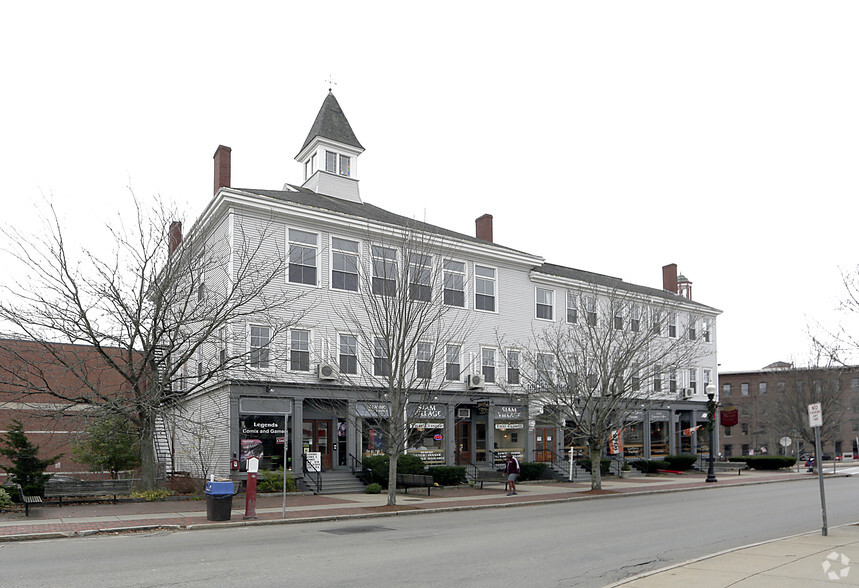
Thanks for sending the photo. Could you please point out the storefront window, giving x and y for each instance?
(509, 432)
(426, 440)
(263, 436)
(658, 433)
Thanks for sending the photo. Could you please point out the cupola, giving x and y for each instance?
(330, 153)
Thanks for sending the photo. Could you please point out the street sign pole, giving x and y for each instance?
(815, 419)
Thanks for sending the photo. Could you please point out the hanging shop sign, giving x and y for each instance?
(509, 426)
(373, 410)
(509, 413)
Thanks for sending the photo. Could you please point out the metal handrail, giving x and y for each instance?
(316, 479)
(471, 470)
(356, 466)
(559, 461)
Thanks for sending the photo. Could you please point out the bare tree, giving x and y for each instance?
(159, 317)
(402, 320)
(596, 371)
(809, 385)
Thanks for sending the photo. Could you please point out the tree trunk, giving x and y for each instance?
(392, 480)
(596, 466)
(148, 464)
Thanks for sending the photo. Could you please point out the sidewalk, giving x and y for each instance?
(794, 561)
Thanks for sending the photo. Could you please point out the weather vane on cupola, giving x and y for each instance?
(330, 81)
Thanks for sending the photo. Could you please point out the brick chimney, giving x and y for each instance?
(174, 237)
(484, 227)
(669, 277)
(222, 167)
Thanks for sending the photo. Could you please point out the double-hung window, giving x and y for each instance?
(454, 283)
(420, 277)
(672, 380)
(331, 162)
(348, 354)
(299, 350)
(726, 389)
(452, 369)
(572, 311)
(484, 288)
(381, 362)
(618, 319)
(693, 328)
(344, 264)
(705, 330)
(693, 379)
(512, 367)
(222, 347)
(656, 322)
(384, 270)
(302, 257)
(423, 364)
(591, 310)
(200, 364)
(635, 319)
(657, 378)
(545, 304)
(672, 324)
(545, 369)
(345, 165)
(487, 363)
(260, 341)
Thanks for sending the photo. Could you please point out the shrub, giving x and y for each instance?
(373, 488)
(681, 462)
(184, 485)
(406, 464)
(532, 470)
(447, 475)
(605, 465)
(765, 462)
(272, 481)
(5, 500)
(26, 469)
(650, 466)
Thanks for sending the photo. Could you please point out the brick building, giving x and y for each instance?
(770, 404)
(55, 424)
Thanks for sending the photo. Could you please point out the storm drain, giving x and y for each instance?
(356, 530)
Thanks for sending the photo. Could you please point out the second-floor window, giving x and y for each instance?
(705, 330)
(618, 319)
(591, 310)
(484, 288)
(693, 379)
(672, 380)
(384, 271)
(572, 311)
(454, 283)
(744, 389)
(672, 324)
(260, 340)
(420, 277)
(299, 350)
(545, 369)
(635, 319)
(381, 362)
(512, 367)
(726, 389)
(344, 264)
(348, 354)
(302, 257)
(424, 361)
(545, 304)
(657, 379)
(693, 328)
(452, 370)
(487, 363)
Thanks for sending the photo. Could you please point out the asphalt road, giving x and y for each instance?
(585, 543)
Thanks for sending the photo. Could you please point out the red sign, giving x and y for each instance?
(280, 440)
(730, 416)
(438, 437)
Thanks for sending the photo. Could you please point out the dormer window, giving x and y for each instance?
(331, 162)
(345, 165)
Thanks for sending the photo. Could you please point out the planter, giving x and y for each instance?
(624, 474)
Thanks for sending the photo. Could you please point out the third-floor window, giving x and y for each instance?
(344, 264)
(545, 304)
(454, 283)
(384, 271)
(484, 288)
(420, 277)
(302, 257)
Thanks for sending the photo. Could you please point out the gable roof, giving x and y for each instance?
(331, 124)
(615, 284)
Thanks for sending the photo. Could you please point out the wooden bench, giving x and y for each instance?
(485, 476)
(406, 481)
(81, 488)
(27, 500)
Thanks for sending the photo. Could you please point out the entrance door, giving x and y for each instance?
(316, 436)
(463, 442)
(545, 444)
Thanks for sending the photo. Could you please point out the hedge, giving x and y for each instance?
(447, 475)
(530, 470)
(605, 464)
(406, 464)
(765, 462)
(681, 462)
(650, 466)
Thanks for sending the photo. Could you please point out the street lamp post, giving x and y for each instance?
(711, 426)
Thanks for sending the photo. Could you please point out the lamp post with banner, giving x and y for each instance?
(711, 426)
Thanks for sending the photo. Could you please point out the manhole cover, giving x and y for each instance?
(356, 530)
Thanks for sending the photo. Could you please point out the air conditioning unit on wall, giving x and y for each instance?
(326, 371)
(688, 392)
(476, 381)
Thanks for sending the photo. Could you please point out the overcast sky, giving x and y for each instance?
(613, 137)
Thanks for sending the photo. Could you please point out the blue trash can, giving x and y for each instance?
(219, 500)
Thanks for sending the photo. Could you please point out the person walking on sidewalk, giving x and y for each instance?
(512, 470)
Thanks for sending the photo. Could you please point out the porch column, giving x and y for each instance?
(297, 435)
(450, 434)
(352, 431)
(672, 432)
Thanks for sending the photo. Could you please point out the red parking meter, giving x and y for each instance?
(251, 489)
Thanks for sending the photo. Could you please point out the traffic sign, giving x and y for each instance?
(815, 415)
